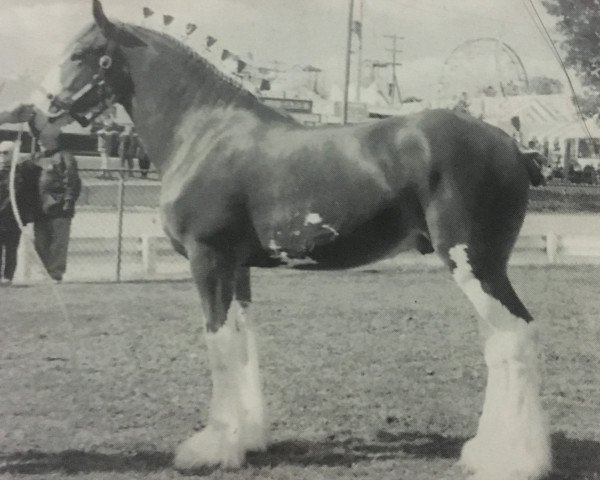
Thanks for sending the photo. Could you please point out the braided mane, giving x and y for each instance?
(198, 60)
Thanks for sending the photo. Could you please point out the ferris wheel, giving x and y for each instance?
(483, 65)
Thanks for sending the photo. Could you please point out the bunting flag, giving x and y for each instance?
(210, 41)
(167, 19)
(265, 85)
(148, 12)
(190, 28)
(357, 28)
(231, 64)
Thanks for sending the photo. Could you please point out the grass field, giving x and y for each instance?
(368, 374)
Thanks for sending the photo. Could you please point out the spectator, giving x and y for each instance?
(517, 134)
(59, 189)
(534, 144)
(143, 160)
(107, 142)
(128, 148)
(463, 104)
(10, 230)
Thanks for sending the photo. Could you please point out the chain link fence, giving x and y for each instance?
(116, 234)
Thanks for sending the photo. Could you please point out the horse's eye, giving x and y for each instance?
(105, 62)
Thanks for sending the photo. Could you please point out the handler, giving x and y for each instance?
(59, 189)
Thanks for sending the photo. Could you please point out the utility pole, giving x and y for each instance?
(395, 88)
(359, 32)
(347, 77)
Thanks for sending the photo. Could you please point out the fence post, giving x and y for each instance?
(148, 254)
(120, 206)
(551, 246)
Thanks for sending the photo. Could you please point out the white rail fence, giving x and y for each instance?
(561, 248)
(152, 256)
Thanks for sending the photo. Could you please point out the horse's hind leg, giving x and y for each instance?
(235, 423)
(512, 440)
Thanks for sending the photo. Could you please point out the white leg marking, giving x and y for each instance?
(236, 419)
(250, 386)
(512, 441)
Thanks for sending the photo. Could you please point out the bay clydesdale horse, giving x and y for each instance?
(244, 185)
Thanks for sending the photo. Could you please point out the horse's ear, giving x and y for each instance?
(119, 35)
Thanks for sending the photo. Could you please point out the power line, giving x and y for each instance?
(540, 30)
(563, 66)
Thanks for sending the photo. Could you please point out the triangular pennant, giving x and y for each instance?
(225, 54)
(240, 66)
(190, 28)
(148, 12)
(210, 41)
(167, 19)
(265, 85)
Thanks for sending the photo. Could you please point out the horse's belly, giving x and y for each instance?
(332, 245)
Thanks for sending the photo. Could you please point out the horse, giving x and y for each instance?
(244, 185)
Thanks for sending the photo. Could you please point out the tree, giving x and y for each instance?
(545, 85)
(579, 22)
(589, 104)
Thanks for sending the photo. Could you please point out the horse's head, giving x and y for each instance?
(92, 76)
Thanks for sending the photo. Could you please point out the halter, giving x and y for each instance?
(75, 105)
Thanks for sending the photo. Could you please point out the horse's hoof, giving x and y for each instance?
(485, 461)
(207, 450)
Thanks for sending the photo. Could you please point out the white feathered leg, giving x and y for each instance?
(236, 420)
(512, 441)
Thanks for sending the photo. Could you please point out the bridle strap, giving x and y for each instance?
(98, 82)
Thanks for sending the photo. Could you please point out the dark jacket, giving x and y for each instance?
(29, 203)
(25, 202)
(59, 187)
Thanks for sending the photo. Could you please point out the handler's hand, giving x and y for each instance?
(22, 113)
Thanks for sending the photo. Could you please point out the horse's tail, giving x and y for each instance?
(533, 162)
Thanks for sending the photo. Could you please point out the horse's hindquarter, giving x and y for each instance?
(478, 184)
(339, 196)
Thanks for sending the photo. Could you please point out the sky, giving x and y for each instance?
(34, 32)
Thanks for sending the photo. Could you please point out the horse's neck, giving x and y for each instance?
(173, 89)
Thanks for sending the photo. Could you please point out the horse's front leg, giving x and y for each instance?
(236, 420)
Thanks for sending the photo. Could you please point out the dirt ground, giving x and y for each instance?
(368, 374)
